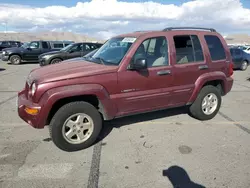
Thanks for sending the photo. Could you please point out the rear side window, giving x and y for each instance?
(216, 48)
(58, 45)
(188, 49)
(66, 44)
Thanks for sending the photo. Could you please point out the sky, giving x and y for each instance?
(106, 18)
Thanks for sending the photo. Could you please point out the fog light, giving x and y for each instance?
(31, 111)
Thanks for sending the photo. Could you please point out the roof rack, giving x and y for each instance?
(191, 28)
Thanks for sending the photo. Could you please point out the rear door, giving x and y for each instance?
(45, 47)
(189, 65)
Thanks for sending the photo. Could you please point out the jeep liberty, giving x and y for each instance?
(132, 73)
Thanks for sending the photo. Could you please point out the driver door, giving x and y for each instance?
(32, 53)
(148, 89)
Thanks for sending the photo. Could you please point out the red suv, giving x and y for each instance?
(131, 73)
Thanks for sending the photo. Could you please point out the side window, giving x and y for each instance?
(45, 45)
(92, 46)
(76, 48)
(34, 45)
(86, 47)
(58, 45)
(188, 49)
(154, 50)
(151, 47)
(216, 48)
(198, 53)
(5, 43)
(12, 43)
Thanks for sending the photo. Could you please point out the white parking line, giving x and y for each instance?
(51, 171)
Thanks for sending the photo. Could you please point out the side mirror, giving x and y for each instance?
(29, 48)
(138, 64)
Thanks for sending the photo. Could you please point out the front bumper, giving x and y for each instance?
(42, 62)
(4, 57)
(23, 103)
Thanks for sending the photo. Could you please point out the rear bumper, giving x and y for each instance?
(33, 120)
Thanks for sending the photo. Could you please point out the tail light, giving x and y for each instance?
(231, 70)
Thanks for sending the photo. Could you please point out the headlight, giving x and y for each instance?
(33, 88)
(3, 52)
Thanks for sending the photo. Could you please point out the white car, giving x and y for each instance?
(246, 49)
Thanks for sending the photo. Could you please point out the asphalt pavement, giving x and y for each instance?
(154, 150)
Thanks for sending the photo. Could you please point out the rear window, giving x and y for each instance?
(216, 49)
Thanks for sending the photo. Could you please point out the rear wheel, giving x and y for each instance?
(207, 103)
(56, 60)
(75, 126)
(15, 59)
(244, 65)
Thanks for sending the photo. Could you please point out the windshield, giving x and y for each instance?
(67, 47)
(113, 51)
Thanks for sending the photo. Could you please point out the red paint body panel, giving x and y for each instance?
(121, 91)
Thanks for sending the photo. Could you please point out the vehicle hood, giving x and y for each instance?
(13, 49)
(69, 70)
(76, 59)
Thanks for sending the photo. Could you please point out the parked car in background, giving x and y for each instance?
(131, 73)
(79, 59)
(247, 49)
(241, 59)
(71, 51)
(31, 51)
(9, 44)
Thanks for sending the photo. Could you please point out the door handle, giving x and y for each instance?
(164, 72)
(203, 67)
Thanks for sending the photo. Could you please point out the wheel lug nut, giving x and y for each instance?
(79, 131)
(74, 125)
(81, 126)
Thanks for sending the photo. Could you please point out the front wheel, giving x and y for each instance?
(244, 65)
(207, 103)
(15, 59)
(55, 61)
(75, 126)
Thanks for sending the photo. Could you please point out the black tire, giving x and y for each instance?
(15, 59)
(56, 125)
(196, 108)
(244, 65)
(55, 61)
